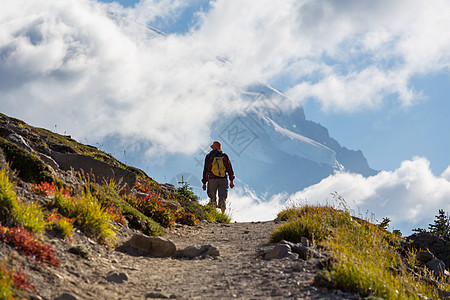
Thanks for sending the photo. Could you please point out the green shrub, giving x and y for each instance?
(8, 198)
(108, 195)
(185, 191)
(29, 167)
(288, 214)
(88, 214)
(12, 212)
(30, 216)
(60, 224)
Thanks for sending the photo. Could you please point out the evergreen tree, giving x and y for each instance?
(441, 224)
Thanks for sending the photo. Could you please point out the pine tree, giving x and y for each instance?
(441, 224)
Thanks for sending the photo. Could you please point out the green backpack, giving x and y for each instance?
(218, 166)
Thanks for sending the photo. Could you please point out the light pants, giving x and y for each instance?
(220, 185)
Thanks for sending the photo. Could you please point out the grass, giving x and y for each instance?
(12, 212)
(30, 216)
(214, 215)
(60, 224)
(108, 196)
(366, 259)
(8, 198)
(88, 214)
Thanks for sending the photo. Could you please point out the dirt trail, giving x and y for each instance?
(236, 274)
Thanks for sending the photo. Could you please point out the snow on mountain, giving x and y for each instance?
(272, 149)
(302, 146)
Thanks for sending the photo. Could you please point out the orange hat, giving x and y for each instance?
(216, 145)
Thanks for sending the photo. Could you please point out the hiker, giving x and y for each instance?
(217, 165)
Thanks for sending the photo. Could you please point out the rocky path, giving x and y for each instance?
(236, 274)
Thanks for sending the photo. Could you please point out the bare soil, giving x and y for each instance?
(238, 273)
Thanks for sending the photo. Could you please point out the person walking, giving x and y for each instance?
(217, 166)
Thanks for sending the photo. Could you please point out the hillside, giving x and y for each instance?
(44, 176)
(75, 223)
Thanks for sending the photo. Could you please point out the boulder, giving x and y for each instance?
(210, 250)
(169, 187)
(4, 132)
(303, 251)
(153, 246)
(191, 252)
(81, 250)
(171, 204)
(279, 251)
(437, 245)
(196, 251)
(424, 256)
(437, 266)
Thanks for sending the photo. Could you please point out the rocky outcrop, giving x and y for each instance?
(438, 247)
(60, 156)
(101, 170)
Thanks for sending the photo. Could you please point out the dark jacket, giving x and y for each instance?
(208, 164)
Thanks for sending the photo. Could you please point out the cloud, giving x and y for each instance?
(243, 205)
(93, 74)
(410, 196)
(94, 70)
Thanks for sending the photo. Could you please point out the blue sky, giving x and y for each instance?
(375, 73)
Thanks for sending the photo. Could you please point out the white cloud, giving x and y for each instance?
(94, 70)
(410, 196)
(243, 205)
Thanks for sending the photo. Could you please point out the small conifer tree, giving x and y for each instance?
(441, 224)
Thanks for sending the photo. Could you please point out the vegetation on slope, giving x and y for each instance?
(28, 165)
(97, 209)
(12, 212)
(365, 258)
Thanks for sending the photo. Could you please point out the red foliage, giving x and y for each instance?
(47, 189)
(25, 242)
(116, 214)
(152, 206)
(22, 283)
(187, 218)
